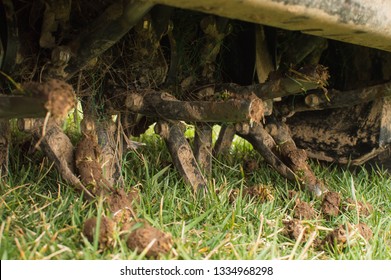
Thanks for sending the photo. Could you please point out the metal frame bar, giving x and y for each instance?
(361, 22)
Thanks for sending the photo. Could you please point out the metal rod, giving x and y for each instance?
(18, 106)
(316, 101)
(166, 106)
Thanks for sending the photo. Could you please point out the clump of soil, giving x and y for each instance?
(60, 96)
(106, 230)
(303, 210)
(233, 195)
(87, 157)
(365, 231)
(293, 228)
(337, 237)
(292, 194)
(364, 209)
(331, 203)
(144, 236)
(120, 199)
(121, 204)
(260, 193)
(250, 165)
(139, 235)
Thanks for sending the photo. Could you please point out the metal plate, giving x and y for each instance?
(361, 22)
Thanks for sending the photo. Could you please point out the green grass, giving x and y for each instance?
(42, 217)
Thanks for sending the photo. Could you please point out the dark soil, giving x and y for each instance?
(121, 205)
(336, 237)
(365, 231)
(250, 165)
(331, 203)
(143, 235)
(259, 193)
(292, 194)
(139, 235)
(364, 209)
(120, 199)
(293, 228)
(303, 210)
(60, 96)
(106, 231)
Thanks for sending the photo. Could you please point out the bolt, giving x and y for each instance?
(61, 55)
(134, 102)
(312, 100)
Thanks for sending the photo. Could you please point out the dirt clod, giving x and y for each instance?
(303, 210)
(337, 237)
(87, 157)
(120, 199)
(364, 209)
(121, 204)
(60, 96)
(145, 236)
(365, 231)
(106, 230)
(260, 193)
(331, 203)
(293, 229)
(292, 194)
(250, 165)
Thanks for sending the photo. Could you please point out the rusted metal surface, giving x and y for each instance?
(164, 105)
(362, 22)
(316, 101)
(350, 135)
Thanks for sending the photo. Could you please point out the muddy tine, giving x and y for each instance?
(181, 153)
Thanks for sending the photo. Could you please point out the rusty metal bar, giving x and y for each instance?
(317, 101)
(284, 83)
(361, 22)
(18, 106)
(165, 106)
